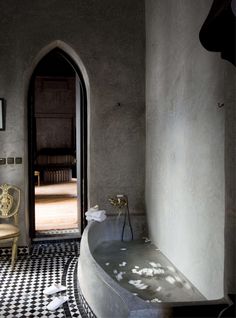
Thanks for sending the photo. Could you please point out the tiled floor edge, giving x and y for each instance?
(22, 250)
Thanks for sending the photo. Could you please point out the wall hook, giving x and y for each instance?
(220, 105)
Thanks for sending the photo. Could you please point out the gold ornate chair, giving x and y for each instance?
(9, 208)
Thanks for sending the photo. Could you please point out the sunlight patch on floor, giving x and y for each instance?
(56, 206)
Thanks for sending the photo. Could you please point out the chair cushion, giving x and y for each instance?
(8, 231)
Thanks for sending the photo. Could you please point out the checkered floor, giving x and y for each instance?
(21, 290)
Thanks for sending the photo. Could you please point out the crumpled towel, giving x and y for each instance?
(96, 218)
(96, 214)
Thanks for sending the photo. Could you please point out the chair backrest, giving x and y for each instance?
(9, 202)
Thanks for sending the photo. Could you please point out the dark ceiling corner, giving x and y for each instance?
(219, 29)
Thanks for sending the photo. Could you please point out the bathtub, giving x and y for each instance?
(106, 298)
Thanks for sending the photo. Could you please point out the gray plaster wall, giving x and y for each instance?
(185, 163)
(109, 39)
(230, 178)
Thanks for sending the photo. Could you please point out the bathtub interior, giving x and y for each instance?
(141, 268)
(103, 295)
(109, 294)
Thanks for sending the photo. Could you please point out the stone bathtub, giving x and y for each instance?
(106, 297)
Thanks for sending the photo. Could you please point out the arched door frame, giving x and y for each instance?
(73, 59)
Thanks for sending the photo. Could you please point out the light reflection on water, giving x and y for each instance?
(141, 268)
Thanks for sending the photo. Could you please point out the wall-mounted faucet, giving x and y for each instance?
(121, 201)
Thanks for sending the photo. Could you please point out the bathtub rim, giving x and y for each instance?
(132, 302)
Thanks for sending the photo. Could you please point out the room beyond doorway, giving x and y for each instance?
(57, 147)
(55, 209)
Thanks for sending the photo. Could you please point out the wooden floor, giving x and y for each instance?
(56, 206)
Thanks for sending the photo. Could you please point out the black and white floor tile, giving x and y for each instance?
(21, 289)
(6, 251)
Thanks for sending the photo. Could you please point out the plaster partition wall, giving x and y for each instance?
(230, 175)
(185, 181)
(108, 38)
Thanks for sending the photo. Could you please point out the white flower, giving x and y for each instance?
(170, 279)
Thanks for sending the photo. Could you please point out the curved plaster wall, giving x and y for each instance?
(185, 179)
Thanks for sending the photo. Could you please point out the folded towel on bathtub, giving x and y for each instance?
(96, 218)
(92, 209)
(97, 214)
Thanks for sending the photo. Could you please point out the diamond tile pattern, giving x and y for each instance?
(21, 290)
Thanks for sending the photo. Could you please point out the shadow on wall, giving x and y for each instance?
(218, 31)
(218, 34)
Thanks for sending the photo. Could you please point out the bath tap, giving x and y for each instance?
(121, 201)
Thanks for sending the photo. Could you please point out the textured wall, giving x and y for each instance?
(185, 181)
(109, 37)
(230, 174)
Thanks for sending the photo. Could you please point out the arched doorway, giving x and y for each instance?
(57, 143)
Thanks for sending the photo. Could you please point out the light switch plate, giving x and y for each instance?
(2, 161)
(10, 160)
(18, 160)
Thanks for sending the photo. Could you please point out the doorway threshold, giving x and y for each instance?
(57, 234)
